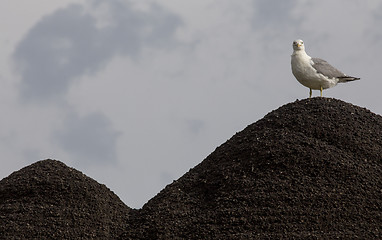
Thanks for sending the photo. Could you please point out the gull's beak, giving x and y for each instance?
(299, 44)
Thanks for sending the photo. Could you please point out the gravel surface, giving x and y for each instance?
(49, 200)
(311, 169)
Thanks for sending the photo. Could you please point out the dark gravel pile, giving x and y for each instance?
(311, 169)
(49, 200)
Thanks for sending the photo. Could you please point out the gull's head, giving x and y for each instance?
(298, 45)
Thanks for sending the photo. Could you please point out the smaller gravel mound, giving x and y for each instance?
(49, 200)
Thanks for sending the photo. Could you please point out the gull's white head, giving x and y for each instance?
(298, 45)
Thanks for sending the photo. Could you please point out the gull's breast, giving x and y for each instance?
(304, 72)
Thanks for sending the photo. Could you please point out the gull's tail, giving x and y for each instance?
(348, 79)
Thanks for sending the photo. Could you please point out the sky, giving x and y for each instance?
(134, 93)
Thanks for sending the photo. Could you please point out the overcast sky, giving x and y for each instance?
(134, 93)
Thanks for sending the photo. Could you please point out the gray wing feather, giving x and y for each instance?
(328, 70)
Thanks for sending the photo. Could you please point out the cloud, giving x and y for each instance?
(71, 42)
(90, 138)
(274, 14)
(80, 40)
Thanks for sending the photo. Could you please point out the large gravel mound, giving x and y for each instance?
(310, 169)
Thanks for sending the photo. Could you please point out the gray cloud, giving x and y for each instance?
(274, 14)
(195, 126)
(90, 138)
(69, 43)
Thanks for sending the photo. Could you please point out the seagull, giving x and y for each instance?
(315, 73)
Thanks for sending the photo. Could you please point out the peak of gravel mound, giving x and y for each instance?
(310, 169)
(49, 200)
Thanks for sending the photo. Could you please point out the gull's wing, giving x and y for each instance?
(329, 71)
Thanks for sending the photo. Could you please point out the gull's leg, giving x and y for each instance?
(321, 91)
(310, 92)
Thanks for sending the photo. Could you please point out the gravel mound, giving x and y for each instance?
(308, 170)
(49, 200)
(311, 169)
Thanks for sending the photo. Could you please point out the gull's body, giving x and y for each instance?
(315, 73)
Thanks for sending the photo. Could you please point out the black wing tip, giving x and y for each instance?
(349, 78)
